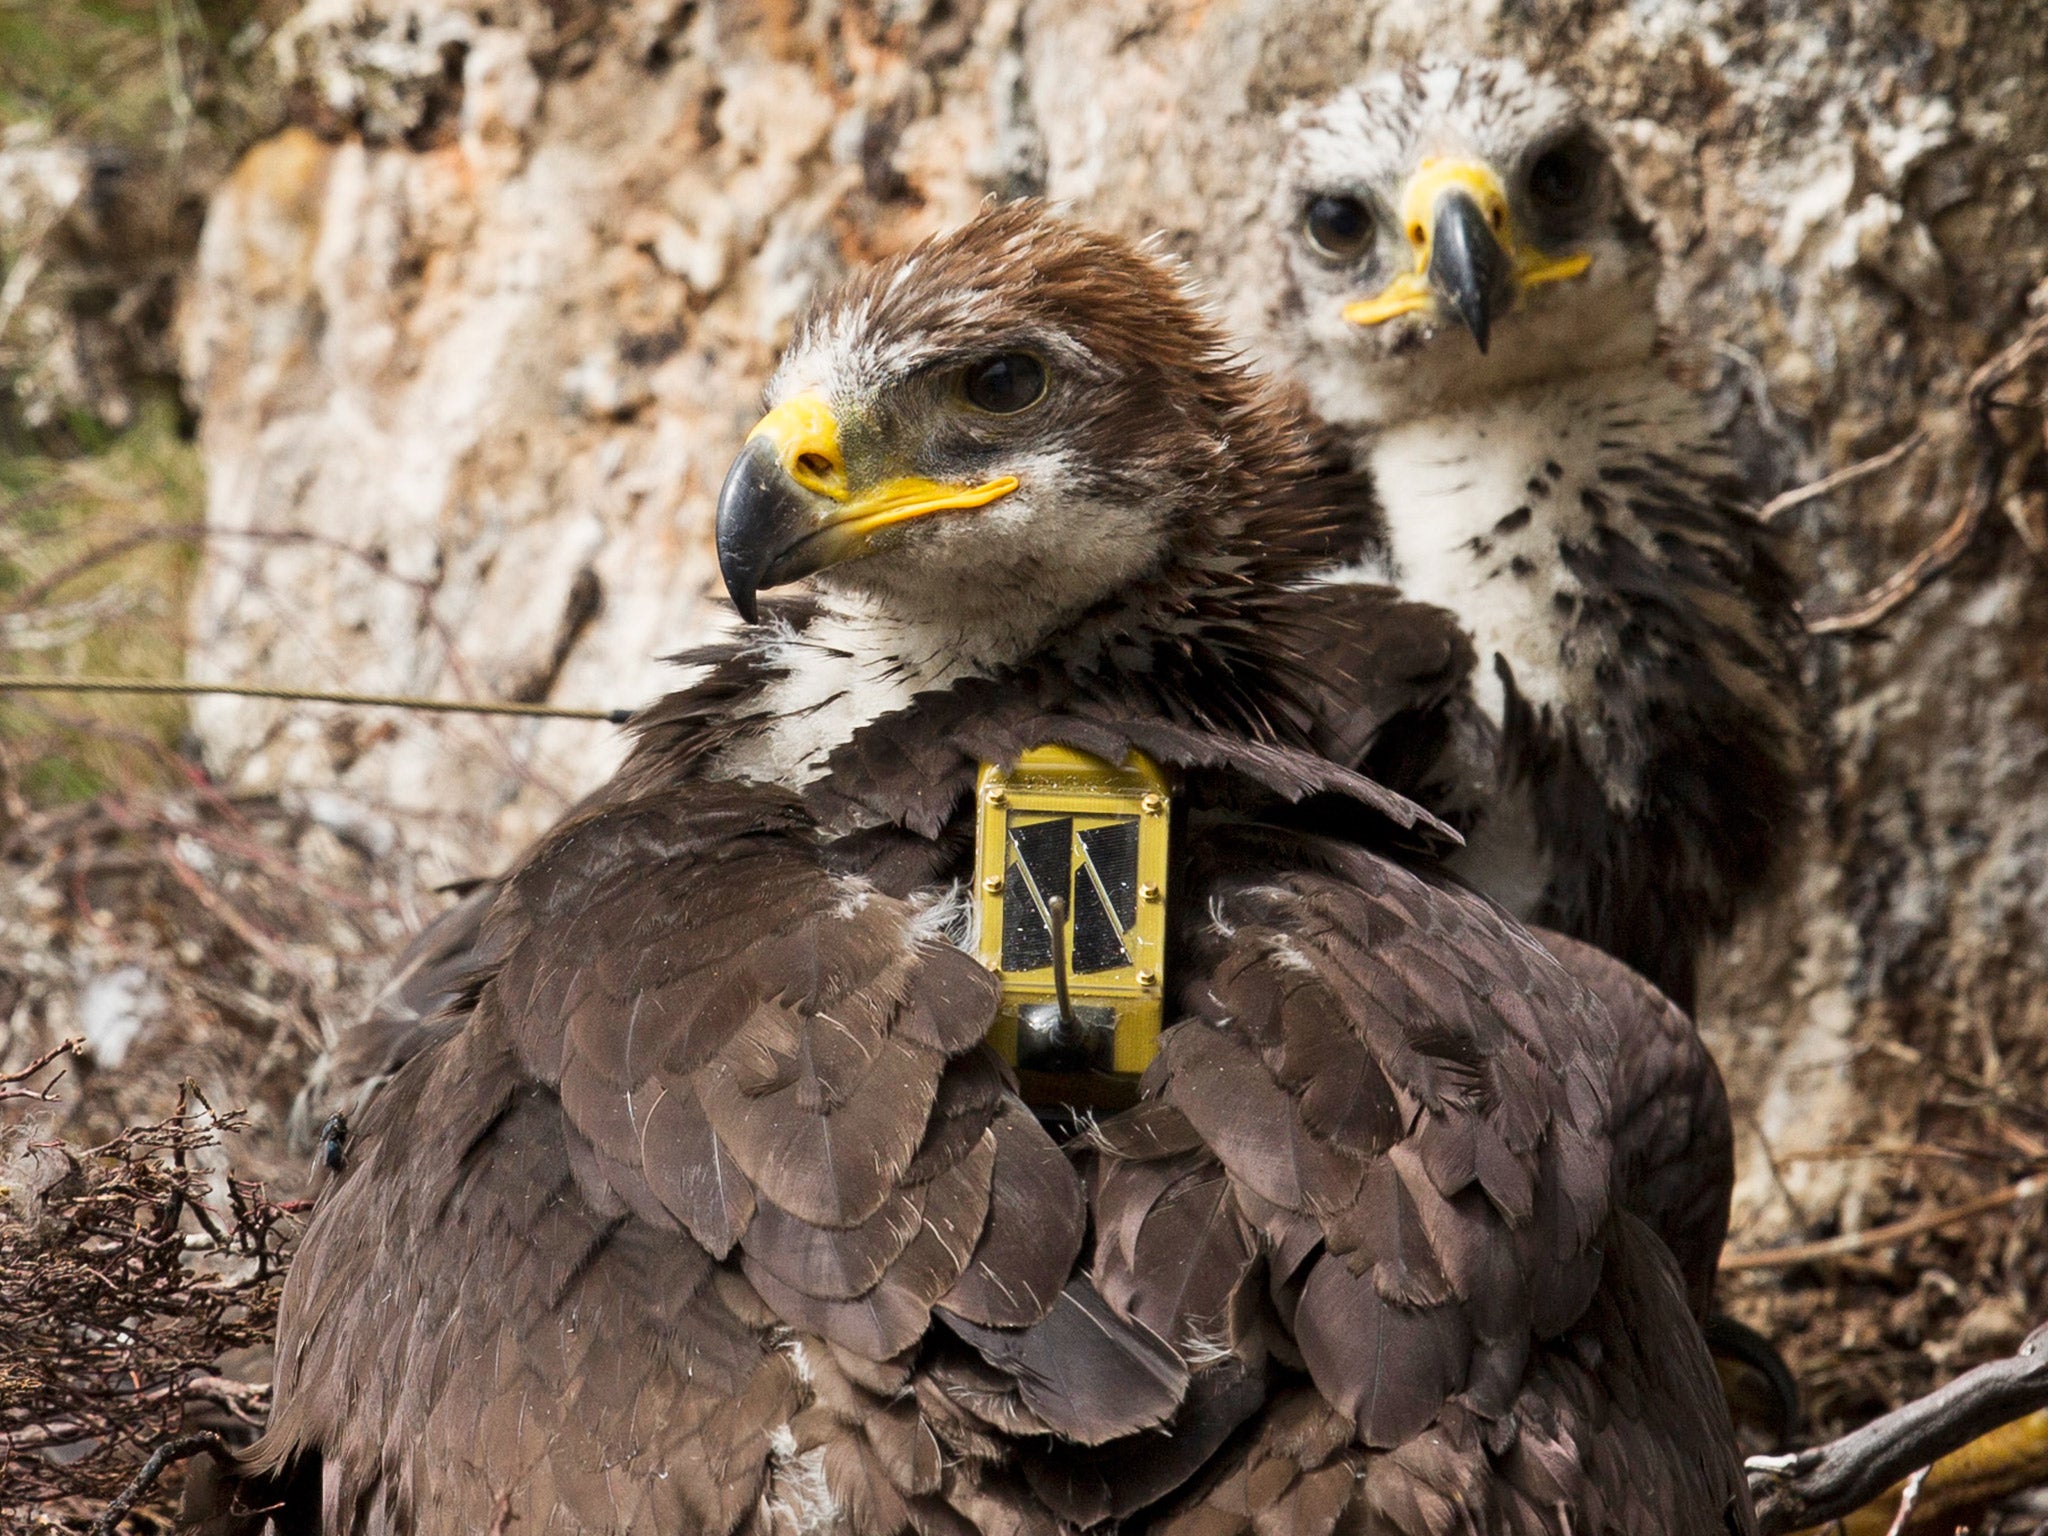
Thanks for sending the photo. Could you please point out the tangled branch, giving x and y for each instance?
(1827, 485)
(122, 1282)
(164, 1456)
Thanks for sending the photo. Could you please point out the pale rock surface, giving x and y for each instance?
(472, 348)
(42, 183)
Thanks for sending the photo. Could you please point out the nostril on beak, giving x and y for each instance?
(817, 469)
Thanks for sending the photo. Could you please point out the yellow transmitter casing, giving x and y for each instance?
(1070, 863)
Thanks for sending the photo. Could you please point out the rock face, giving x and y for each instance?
(473, 343)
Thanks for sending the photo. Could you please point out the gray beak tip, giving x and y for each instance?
(759, 514)
(1470, 274)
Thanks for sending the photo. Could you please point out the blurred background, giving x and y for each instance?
(400, 346)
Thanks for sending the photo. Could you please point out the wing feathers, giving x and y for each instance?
(870, 1288)
(731, 1103)
(690, 1171)
(1036, 1220)
(1087, 1374)
(833, 1168)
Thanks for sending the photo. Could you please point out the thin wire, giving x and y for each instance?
(13, 682)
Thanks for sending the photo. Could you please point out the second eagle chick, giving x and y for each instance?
(1468, 298)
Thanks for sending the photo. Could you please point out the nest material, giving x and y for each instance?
(210, 945)
(127, 1272)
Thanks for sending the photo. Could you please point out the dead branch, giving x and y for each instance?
(252, 850)
(248, 1401)
(1881, 1237)
(223, 911)
(1922, 1152)
(90, 560)
(36, 592)
(1885, 599)
(1992, 1470)
(152, 1469)
(430, 620)
(1800, 495)
(1834, 1480)
(10, 1082)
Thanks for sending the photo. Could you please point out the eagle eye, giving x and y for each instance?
(1562, 176)
(1004, 384)
(1338, 226)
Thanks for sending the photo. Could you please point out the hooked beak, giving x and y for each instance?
(785, 511)
(1469, 261)
(1469, 273)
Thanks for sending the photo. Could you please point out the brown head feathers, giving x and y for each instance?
(1162, 401)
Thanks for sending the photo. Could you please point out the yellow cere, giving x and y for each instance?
(806, 438)
(805, 433)
(1434, 176)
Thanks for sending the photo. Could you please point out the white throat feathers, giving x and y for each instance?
(849, 667)
(1487, 506)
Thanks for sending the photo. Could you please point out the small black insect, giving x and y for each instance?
(334, 1144)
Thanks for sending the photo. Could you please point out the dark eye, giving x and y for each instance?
(1561, 176)
(1338, 226)
(1005, 384)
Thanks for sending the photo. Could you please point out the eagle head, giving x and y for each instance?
(995, 429)
(1461, 227)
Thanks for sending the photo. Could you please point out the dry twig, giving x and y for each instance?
(1837, 1479)
(1800, 495)
(30, 599)
(10, 1082)
(119, 1290)
(1909, 1500)
(1882, 1237)
(152, 1469)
